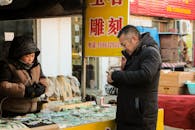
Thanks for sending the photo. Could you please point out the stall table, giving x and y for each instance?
(179, 110)
(98, 125)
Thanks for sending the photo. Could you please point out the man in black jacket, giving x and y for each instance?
(137, 83)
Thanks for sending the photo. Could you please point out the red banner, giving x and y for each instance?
(181, 9)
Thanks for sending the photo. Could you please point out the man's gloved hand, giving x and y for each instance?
(34, 90)
(39, 89)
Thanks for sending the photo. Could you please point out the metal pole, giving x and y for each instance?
(83, 72)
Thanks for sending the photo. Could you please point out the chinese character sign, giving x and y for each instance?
(180, 9)
(104, 19)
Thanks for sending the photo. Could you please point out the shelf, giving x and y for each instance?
(170, 33)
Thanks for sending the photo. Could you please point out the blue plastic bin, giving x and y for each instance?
(191, 87)
(153, 32)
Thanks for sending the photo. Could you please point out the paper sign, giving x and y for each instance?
(9, 36)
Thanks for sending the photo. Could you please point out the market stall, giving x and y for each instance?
(66, 110)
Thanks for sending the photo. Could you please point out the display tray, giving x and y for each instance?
(63, 119)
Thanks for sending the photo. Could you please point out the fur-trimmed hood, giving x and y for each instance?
(21, 46)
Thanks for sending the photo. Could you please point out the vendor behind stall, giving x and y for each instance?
(21, 78)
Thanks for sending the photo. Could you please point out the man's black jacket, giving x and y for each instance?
(137, 84)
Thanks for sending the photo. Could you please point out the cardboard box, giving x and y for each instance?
(171, 90)
(173, 82)
(169, 41)
(175, 78)
(169, 55)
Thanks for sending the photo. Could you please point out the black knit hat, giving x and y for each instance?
(22, 45)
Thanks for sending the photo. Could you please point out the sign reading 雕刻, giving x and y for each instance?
(104, 18)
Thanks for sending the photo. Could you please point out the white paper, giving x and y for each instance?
(76, 27)
(9, 36)
(77, 39)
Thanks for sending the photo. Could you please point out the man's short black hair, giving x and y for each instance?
(129, 29)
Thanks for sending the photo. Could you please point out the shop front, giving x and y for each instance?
(60, 40)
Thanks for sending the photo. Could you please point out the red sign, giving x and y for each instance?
(181, 9)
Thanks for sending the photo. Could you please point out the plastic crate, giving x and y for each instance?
(191, 87)
(153, 32)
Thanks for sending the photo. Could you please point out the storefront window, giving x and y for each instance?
(164, 25)
(91, 65)
(77, 46)
(92, 72)
(77, 40)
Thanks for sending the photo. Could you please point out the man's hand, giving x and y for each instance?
(123, 62)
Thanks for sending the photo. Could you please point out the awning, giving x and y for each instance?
(22, 9)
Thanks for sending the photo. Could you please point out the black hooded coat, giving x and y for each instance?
(137, 84)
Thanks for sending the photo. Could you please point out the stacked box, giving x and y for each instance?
(173, 82)
(169, 55)
(169, 47)
(169, 41)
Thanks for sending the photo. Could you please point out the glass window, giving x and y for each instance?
(91, 63)
(77, 46)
